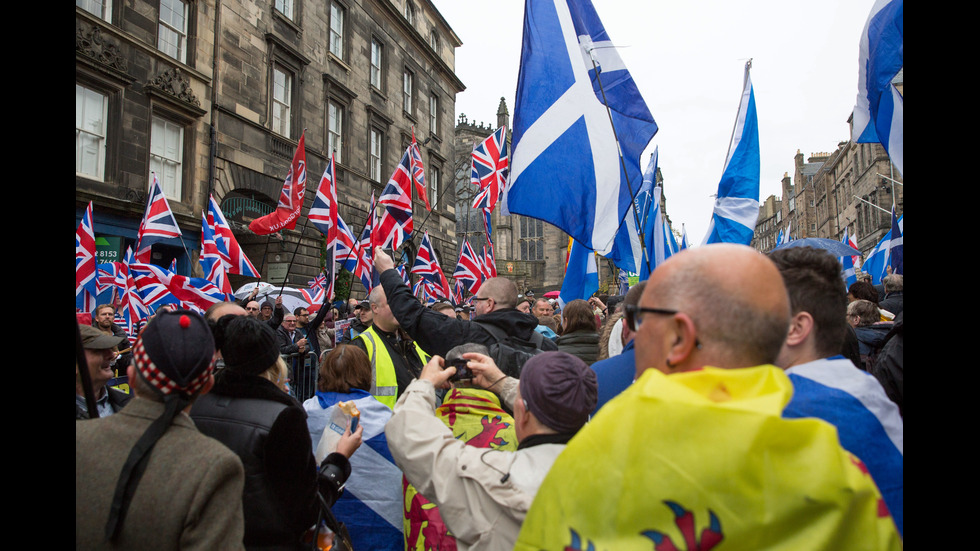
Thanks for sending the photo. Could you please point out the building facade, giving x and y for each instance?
(218, 94)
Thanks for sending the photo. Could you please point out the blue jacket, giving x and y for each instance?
(614, 374)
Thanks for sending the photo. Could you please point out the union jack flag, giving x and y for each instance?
(468, 269)
(235, 260)
(418, 171)
(395, 226)
(427, 266)
(490, 168)
(290, 199)
(131, 307)
(458, 291)
(317, 291)
(158, 222)
(212, 257)
(106, 279)
(365, 267)
(86, 280)
(323, 213)
(489, 262)
(486, 225)
(157, 286)
(348, 248)
(404, 273)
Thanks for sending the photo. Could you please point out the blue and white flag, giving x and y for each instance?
(880, 256)
(737, 205)
(566, 167)
(685, 244)
(581, 275)
(624, 282)
(896, 245)
(847, 262)
(372, 503)
(878, 114)
(628, 251)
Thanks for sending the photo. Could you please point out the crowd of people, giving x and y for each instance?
(213, 447)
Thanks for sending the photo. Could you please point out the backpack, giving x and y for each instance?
(510, 353)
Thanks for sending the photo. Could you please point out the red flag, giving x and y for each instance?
(418, 171)
(291, 198)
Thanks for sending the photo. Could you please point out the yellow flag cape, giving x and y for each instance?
(703, 460)
(475, 417)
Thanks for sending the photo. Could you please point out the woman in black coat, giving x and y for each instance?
(250, 411)
(579, 336)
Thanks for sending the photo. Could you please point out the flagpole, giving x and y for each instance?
(622, 161)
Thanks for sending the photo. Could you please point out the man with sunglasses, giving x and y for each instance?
(495, 311)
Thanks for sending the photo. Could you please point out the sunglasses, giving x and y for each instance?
(633, 313)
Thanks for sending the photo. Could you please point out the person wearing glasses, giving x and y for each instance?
(495, 313)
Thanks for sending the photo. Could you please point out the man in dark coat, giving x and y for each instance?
(495, 305)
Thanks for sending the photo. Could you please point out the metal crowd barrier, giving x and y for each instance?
(303, 370)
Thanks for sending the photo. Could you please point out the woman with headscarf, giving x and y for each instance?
(249, 411)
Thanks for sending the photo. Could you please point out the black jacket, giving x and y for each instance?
(437, 333)
(267, 429)
(583, 344)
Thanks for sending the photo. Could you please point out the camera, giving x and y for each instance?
(462, 372)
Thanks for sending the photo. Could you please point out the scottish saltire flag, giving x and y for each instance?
(654, 234)
(212, 258)
(624, 282)
(395, 226)
(468, 269)
(290, 198)
(878, 114)
(628, 251)
(671, 247)
(847, 262)
(868, 422)
(371, 506)
(86, 282)
(737, 204)
(895, 245)
(427, 266)
(685, 244)
(489, 169)
(158, 222)
(566, 165)
(581, 275)
(876, 260)
(237, 262)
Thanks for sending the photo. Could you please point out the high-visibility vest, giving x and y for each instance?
(384, 383)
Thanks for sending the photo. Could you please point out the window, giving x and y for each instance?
(90, 129)
(335, 130)
(433, 187)
(374, 155)
(337, 14)
(434, 40)
(172, 35)
(98, 8)
(282, 90)
(166, 154)
(410, 12)
(285, 7)
(377, 53)
(434, 115)
(532, 239)
(408, 88)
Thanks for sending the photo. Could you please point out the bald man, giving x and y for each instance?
(720, 305)
(495, 312)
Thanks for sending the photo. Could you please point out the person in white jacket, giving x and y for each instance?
(484, 494)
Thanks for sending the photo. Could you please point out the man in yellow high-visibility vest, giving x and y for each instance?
(396, 360)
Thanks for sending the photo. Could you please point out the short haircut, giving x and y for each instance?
(299, 309)
(101, 306)
(747, 333)
(502, 290)
(893, 282)
(813, 281)
(578, 316)
(344, 368)
(376, 293)
(862, 290)
(441, 306)
(866, 311)
(540, 299)
(632, 297)
(471, 347)
(549, 322)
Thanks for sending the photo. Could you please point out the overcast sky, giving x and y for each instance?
(688, 58)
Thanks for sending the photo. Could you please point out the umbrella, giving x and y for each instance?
(291, 298)
(832, 246)
(552, 294)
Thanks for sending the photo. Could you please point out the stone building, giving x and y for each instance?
(767, 228)
(217, 95)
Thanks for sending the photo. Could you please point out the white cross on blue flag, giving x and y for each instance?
(737, 205)
(566, 167)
